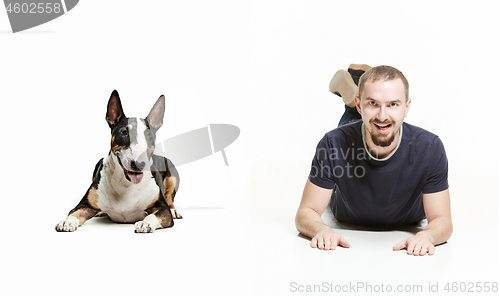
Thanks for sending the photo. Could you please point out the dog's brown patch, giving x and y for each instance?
(93, 197)
(150, 150)
(83, 214)
(154, 201)
(169, 185)
(163, 215)
(114, 147)
(117, 148)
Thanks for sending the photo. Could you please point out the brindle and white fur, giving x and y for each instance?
(130, 185)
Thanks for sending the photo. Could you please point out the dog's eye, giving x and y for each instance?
(124, 132)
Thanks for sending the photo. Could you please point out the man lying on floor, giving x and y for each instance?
(375, 169)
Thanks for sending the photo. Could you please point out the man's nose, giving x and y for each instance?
(382, 114)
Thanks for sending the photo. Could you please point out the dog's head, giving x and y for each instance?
(133, 139)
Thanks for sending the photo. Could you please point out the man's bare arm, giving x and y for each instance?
(439, 228)
(308, 219)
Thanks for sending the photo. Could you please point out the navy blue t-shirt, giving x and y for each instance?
(370, 191)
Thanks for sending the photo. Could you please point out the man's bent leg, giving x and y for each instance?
(343, 86)
(350, 115)
(342, 82)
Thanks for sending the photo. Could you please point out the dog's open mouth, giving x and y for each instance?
(134, 177)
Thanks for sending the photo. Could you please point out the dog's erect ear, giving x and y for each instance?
(115, 110)
(155, 116)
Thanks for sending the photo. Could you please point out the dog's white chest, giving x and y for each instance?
(125, 202)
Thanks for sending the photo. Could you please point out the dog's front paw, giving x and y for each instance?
(176, 214)
(148, 225)
(143, 227)
(68, 225)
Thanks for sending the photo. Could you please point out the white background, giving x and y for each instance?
(263, 66)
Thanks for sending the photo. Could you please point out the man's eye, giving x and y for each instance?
(372, 103)
(394, 105)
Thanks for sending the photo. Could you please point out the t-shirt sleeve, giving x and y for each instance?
(321, 173)
(437, 179)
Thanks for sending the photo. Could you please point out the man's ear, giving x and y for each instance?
(357, 101)
(115, 110)
(155, 116)
(407, 107)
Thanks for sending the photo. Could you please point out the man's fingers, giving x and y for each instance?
(328, 243)
(431, 250)
(401, 245)
(418, 249)
(409, 248)
(344, 243)
(314, 242)
(415, 246)
(424, 250)
(427, 249)
(321, 244)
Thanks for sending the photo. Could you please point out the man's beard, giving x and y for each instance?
(383, 142)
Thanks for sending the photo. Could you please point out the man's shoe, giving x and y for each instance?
(343, 86)
(356, 70)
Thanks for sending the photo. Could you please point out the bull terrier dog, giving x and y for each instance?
(131, 184)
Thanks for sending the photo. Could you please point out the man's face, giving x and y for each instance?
(383, 108)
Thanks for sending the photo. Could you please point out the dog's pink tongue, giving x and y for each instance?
(135, 178)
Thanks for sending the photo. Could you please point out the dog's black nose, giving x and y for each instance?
(137, 166)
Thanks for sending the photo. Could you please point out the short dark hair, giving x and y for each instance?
(384, 73)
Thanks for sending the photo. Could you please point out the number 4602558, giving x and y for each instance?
(471, 287)
(34, 8)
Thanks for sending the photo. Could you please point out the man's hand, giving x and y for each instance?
(439, 227)
(327, 239)
(418, 245)
(308, 219)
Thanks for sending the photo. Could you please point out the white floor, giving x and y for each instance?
(236, 245)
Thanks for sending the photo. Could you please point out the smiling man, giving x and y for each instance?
(375, 169)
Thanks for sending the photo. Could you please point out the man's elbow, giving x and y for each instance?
(450, 229)
(299, 218)
(446, 226)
